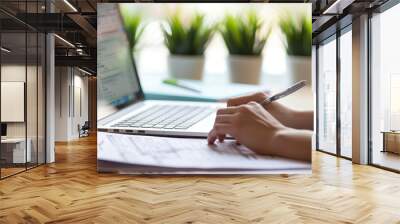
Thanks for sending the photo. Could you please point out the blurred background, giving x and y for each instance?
(54, 44)
(152, 54)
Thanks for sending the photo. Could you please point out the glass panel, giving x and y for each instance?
(327, 97)
(23, 81)
(31, 98)
(385, 87)
(41, 110)
(41, 99)
(346, 94)
(13, 87)
(32, 88)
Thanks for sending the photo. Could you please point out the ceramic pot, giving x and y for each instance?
(245, 68)
(299, 68)
(186, 66)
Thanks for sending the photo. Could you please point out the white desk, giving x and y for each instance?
(16, 147)
(300, 100)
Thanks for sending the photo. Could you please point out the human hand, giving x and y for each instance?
(257, 129)
(285, 115)
(256, 97)
(279, 111)
(250, 124)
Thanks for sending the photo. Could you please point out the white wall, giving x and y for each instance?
(70, 84)
(82, 83)
(62, 82)
(79, 102)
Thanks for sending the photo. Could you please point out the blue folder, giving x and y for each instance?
(155, 89)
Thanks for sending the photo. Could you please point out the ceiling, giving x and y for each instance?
(75, 21)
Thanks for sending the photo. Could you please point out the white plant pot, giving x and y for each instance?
(245, 69)
(299, 68)
(186, 66)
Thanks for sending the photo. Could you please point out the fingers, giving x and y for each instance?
(258, 97)
(219, 131)
(235, 109)
(221, 138)
(228, 120)
(212, 136)
(222, 125)
(228, 110)
(224, 118)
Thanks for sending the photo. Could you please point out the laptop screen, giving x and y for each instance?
(117, 80)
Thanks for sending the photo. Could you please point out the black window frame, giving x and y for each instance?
(346, 26)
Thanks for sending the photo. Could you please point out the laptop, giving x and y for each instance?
(121, 105)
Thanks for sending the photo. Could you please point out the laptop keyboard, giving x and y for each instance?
(167, 117)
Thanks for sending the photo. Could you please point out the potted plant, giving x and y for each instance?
(133, 26)
(186, 42)
(245, 44)
(298, 37)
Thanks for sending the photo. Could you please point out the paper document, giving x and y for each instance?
(155, 89)
(186, 153)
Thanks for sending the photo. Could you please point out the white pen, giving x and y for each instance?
(284, 93)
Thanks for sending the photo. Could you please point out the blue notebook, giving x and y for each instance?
(155, 89)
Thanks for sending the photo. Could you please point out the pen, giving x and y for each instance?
(174, 82)
(284, 93)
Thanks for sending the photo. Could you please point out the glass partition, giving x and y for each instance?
(327, 96)
(22, 67)
(35, 88)
(346, 93)
(32, 98)
(41, 92)
(14, 153)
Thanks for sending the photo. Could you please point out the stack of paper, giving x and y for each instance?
(136, 154)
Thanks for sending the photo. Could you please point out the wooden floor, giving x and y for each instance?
(71, 191)
(5, 172)
(387, 159)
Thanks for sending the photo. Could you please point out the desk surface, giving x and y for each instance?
(300, 100)
(391, 132)
(13, 140)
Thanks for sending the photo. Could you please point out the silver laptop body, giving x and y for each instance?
(121, 104)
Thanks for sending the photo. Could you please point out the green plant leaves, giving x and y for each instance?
(298, 35)
(133, 26)
(187, 40)
(242, 35)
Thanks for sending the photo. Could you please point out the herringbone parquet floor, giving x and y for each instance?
(71, 191)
